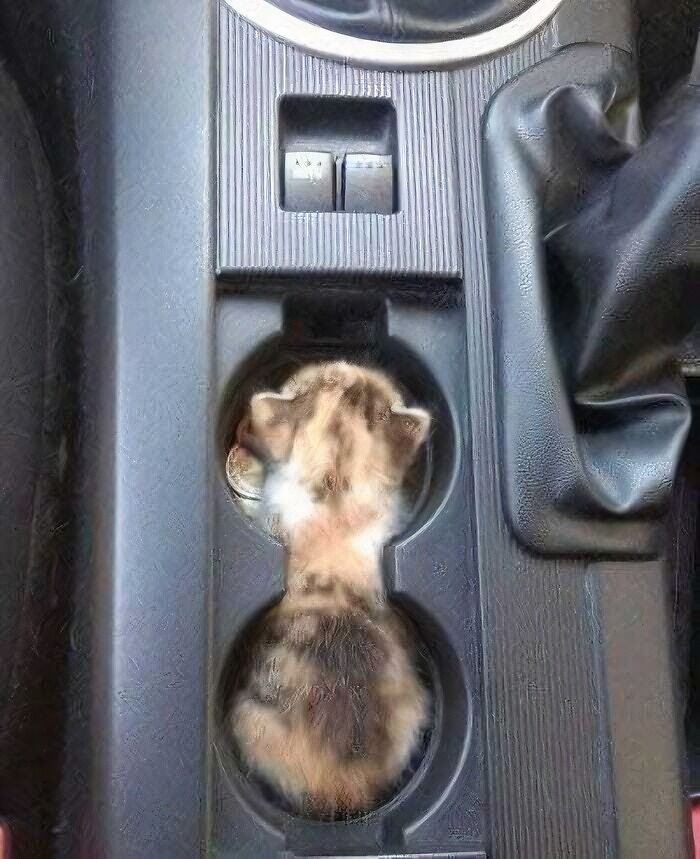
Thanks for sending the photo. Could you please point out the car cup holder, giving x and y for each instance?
(271, 367)
(261, 342)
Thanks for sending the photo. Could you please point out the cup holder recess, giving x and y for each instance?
(337, 326)
(300, 343)
(445, 740)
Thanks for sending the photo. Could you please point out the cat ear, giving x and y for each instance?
(271, 422)
(408, 429)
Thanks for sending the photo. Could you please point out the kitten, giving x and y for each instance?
(329, 707)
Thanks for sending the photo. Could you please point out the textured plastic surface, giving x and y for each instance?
(146, 178)
(257, 237)
(544, 683)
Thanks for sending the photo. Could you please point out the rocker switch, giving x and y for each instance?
(368, 183)
(309, 182)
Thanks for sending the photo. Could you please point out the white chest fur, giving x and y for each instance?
(288, 502)
(286, 499)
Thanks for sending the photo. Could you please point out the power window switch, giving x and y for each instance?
(309, 182)
(368, 183)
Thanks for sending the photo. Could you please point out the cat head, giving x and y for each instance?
(344, 431)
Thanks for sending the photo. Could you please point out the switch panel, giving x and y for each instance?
(368, 183)
(309, 182)
(337, 154)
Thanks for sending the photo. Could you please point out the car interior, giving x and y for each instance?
(498, 201)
